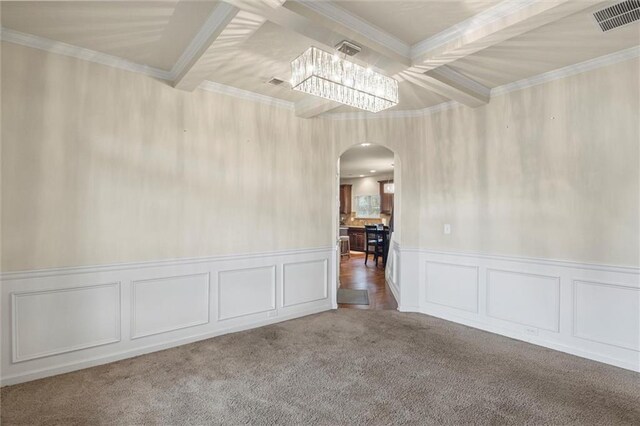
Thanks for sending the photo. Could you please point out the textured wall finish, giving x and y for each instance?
(104, 166)
(551, 171)
(101, 165)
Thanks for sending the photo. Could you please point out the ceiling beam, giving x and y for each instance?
(286, 18)
(353, 28)
(225, 29)
(424, 64)
(451, 84)
(217, 21)
(300, 18)
(445, 82)
(495, 25)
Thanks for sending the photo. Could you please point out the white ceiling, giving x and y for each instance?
(359, 160)
(567, 41)
(414, 21)
(273, 47)
(267, 53)
(156, 33)
(147, 32)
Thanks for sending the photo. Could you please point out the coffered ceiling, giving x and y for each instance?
(565, 42)
(414, 21)
(266, 54)
(273, 47)
(147, 32)
(439, 50)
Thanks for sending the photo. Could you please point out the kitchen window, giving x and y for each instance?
(367, 206)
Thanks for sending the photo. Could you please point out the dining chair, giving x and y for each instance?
(375, 238)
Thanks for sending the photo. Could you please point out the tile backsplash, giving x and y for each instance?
(352, 220)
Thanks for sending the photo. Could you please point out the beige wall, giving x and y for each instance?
(551, 171)
(101, 165)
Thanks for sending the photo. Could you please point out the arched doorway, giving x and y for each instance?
(367, 212)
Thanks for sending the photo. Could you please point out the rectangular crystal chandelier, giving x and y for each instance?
(327, 75)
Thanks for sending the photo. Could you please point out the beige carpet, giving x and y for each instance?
(341, 367)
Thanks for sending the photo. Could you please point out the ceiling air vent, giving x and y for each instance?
(618, 15)
(275, 81)
(349, 48)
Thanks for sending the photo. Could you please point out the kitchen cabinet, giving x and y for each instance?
(356, 238)
(345, 199)
(386, 200)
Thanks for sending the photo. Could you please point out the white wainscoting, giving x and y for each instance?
(89, 316)
(600, 308)
(587, 310)
(246, 292)
(527, 299)
(392, 270)
(60, 320)
(452, 285)
(167, 304)
(304, 282)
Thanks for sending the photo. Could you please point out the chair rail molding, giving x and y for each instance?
(123, 306)
(129, 309)
(585, 309)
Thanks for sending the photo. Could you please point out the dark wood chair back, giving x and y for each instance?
(370, 231)
(377, 237)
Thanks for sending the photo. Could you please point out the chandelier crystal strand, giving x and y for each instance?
(328, 76)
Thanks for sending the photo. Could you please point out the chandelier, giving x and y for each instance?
(328, 76)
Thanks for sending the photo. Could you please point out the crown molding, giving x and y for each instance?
(223, 89)
(356, 23)
(89, 55)
(60, 48)
(449, 73)
(357, 115)
(505, 8)
(218, 18)
(560, 73)
(591, 64)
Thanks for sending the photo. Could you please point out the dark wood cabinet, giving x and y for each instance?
(356, 238)
(345, 199)
(386, 200)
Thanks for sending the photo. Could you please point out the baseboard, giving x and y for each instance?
(93, 362)
(97, 315)
(394, 290)
(594, 356)
(131, 309)
(409, 309)
(552, 303)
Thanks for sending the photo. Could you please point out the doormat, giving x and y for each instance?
(353, 297)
